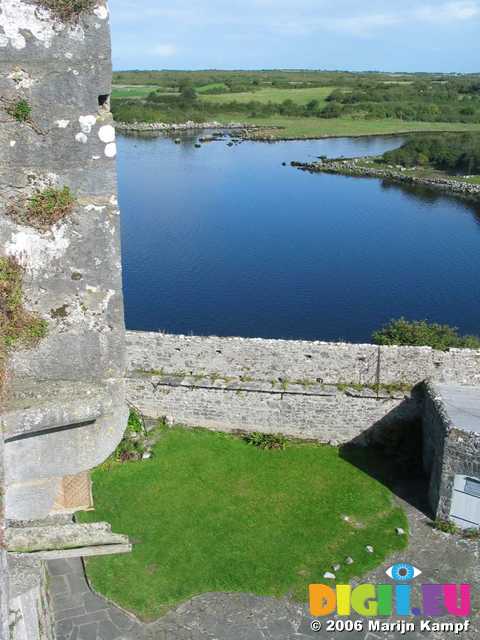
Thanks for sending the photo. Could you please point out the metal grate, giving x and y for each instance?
(75, 494)
(472, 487)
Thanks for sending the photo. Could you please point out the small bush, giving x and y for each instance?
(68, 10)
(20, 110)
(266, 440)
(424, 334)
(44, 208)
(132, 446)
(446, 526)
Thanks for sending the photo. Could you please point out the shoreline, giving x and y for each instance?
(165, 127)
(253, 132)
(351, 168)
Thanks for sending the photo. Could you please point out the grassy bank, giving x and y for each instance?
(298, 128)
(210, 512)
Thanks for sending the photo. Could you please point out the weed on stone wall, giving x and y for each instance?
(68, 10)
(18, 327)
(44, 209)
(447, 526)
(20, 111)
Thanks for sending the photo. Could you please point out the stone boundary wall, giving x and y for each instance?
(331, 392)
(448, 450)
(4, 577)
(436, 426)
(30, 615)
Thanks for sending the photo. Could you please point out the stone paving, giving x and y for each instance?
(82, 615)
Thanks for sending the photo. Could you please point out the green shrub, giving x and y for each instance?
(446, 526)
(132, 446)
(458, 152)
(423, 334)
(266, 440)
(44, 208)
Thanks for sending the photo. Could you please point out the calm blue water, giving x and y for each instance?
(227, 241)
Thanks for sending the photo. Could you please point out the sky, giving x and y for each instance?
(386, 35)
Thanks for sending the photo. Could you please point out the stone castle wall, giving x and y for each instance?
(63, 409)
(448, 448)
(72, 270)
(331, 392)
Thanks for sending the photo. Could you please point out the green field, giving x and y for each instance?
(136, 91)
(211, 513)
(300, 96)
(212, 85)
(306, 104)
(297, 128)
(131, 91)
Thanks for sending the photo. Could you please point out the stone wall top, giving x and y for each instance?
(323, 362)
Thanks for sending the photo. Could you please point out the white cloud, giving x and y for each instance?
(164, 50)
(365, 24)
(462, 10)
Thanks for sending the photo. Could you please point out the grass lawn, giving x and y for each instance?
(211, 513)
(300, 96)
(336, 127)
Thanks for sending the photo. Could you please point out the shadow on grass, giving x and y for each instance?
(394, 458)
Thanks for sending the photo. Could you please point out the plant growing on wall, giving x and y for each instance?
(18, 327)
(21, 111)
(44, 208)
(68, 10)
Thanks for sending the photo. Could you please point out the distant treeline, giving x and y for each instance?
(452, 100)
(376, 96)
(455, 153)
(250, 79)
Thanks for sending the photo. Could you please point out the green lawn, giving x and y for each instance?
(300, 96)
(211, 513)
(336, 127)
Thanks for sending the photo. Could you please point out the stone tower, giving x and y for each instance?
(63, 407)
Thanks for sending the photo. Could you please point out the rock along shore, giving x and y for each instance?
(185, 126)
(352, 167)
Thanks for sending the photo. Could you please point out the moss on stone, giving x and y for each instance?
(18, 327)
(68, 10)
(44, 209)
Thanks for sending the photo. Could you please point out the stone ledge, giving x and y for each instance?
(46, 542)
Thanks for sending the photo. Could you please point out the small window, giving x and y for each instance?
(104, 101)
(472, 487)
